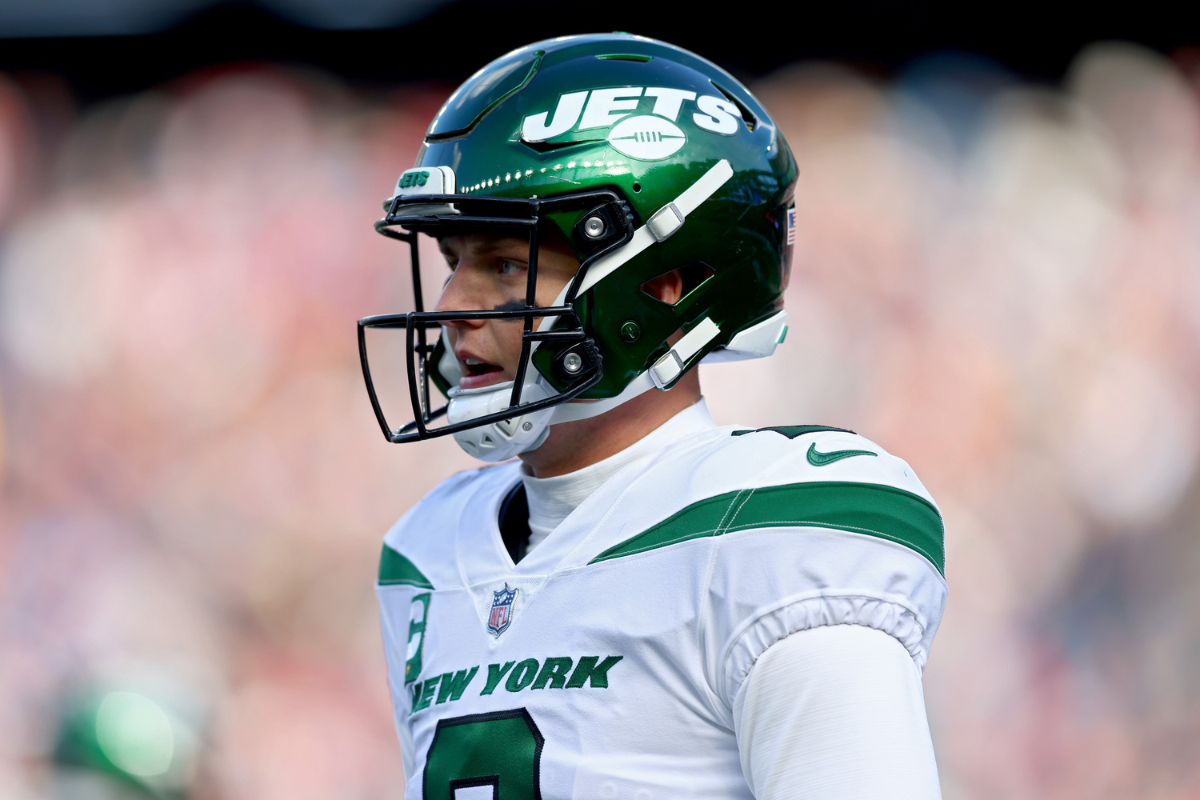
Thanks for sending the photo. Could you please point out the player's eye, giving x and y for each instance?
(510, 267)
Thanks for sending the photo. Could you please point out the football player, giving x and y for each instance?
(637, 603)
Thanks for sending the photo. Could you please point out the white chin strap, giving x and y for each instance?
(659, 376)
(504, 440)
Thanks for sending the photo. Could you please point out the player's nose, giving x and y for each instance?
(464, 291)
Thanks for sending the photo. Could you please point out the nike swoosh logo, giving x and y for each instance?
(819, 459)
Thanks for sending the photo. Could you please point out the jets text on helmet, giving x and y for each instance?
(603, 108)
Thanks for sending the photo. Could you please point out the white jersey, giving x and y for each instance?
(606, 663)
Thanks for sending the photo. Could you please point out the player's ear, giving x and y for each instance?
(666, 288)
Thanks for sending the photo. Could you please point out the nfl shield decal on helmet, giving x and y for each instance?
(501, 616)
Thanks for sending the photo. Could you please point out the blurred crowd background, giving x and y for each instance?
(995, 279)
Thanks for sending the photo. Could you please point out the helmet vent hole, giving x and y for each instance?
(637, 187)
(625, 57)
(677, 285)
(747, 115)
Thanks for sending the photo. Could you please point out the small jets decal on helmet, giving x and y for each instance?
(646, 137)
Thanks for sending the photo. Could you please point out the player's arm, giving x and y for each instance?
(835, 712)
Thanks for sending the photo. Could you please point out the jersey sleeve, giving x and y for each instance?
(837, 532)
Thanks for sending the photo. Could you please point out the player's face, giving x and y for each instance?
(489, 272)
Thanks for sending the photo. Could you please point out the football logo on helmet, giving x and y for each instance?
(647, 138)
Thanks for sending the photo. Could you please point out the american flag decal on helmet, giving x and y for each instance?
(791, 226)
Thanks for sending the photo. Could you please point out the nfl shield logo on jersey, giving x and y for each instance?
(501, 616)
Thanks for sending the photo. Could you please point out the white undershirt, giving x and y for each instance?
(829, 713)
(552, 499)
(835, 712)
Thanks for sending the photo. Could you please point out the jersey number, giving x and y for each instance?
(500, 751)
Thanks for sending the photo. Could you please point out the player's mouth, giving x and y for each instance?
(477, 373)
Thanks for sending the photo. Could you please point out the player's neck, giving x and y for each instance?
(574, 445)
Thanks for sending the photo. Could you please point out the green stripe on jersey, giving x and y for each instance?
(395, 569)
(883, 511)
(792, 431)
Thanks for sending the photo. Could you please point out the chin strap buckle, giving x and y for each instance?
(664, 222)
(668, 368)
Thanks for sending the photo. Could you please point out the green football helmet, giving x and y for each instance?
(646, 159)
(123, 745)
